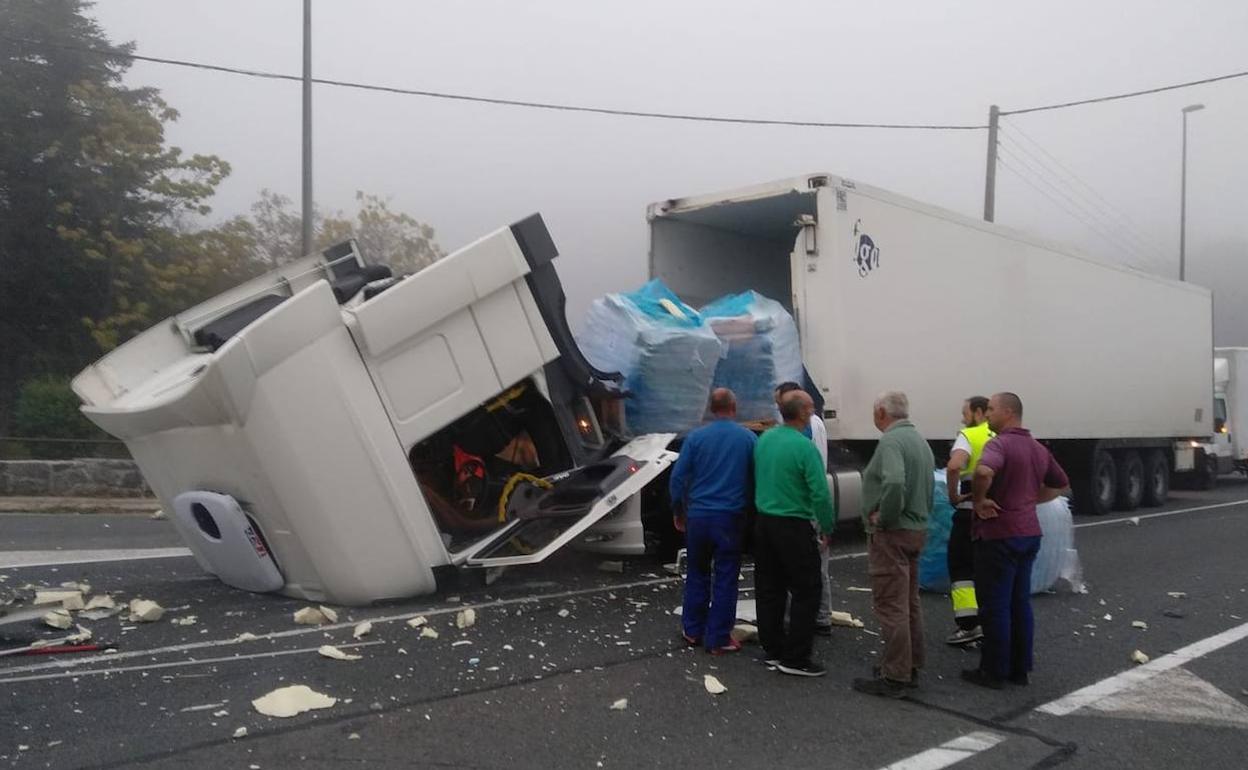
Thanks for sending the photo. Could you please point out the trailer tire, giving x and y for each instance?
(1102, 487)
(1156, 479)
(1130, 480)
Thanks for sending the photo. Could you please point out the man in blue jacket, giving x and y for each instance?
(711, 484)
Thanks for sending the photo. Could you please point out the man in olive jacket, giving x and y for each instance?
(897, 490)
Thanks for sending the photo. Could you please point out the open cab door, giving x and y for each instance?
(543, 519)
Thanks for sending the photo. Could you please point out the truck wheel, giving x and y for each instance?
(1130, 480)
(1207, 473)
(1104, 483)
(1156, 479)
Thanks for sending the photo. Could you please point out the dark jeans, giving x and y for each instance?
(1003, 585)
(961, 560)
(786, 568)
(713, 544)
(893, 563)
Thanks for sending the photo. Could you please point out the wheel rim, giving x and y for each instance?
(1159, 481)
(1135, 486)
(1105, 486)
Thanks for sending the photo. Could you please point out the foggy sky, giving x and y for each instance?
(467, 169)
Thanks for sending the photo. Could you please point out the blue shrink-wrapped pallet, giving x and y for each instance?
(762, 350)
(663, 348)
(934, 559)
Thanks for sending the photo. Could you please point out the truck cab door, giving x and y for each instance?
(543, 520)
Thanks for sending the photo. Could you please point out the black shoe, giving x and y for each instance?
(823, 629)
(804, 668)
(884, 688)
(1022, 680)
(980, 677)
(913, 684)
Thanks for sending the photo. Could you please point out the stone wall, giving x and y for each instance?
(71, 478)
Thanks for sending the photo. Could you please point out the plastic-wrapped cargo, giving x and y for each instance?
(763, 350)
(934, 559)
(663, 348)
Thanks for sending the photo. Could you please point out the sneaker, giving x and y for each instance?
(884, 688)
(804, 668)
(770, 663)
(732, 646)
(965, 636)
(823, 629)
(913, 684)
(691, 641)
(983, 679)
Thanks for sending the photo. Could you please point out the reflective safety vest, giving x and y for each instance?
(978, 436)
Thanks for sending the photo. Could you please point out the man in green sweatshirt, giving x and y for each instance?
(897, 490)
(790, 491)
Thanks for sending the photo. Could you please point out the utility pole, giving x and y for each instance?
(1183, 196)
(307, 127)
(990, 178)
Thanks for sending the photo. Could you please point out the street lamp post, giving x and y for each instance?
(1183, 195)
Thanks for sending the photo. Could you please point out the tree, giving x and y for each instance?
(90, 194)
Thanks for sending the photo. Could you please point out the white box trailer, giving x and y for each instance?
(339, 434)
(1228, 449)
(1112, 364)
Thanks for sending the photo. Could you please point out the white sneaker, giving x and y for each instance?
(965, 636)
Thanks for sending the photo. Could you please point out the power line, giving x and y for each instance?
(503, 102)
(1112, 216)
(1074, 214)
(1115, 97)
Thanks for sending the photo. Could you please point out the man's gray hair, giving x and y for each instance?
(894, 403)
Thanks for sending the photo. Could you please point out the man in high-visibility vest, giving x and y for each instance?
(968, 447)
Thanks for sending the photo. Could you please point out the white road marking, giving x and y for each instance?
(431, 612)
(174, 664)
(1131, 677)
(950, 753)
(1160, 514)
(14, 559)
(1176, 695)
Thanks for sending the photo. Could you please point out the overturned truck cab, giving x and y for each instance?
(334, 432)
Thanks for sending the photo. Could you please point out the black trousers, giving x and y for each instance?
(962, 571)
(786, 570)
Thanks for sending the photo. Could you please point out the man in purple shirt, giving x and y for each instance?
(1014, 473)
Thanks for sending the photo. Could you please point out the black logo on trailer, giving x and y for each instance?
(866, 253)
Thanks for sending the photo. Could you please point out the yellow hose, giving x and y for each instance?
(510, 487)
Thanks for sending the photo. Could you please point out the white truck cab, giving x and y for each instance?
(336, 433)
(1227, 446)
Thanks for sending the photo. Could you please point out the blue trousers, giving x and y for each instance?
(1003, 587)
(713, 543)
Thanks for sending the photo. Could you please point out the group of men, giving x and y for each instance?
(996, 475)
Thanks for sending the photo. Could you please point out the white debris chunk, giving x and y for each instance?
(242, 733)
(221, 713)
(290, 701)
(201, 707)
(620, 704)
(330, 651)
(188, 620)
(461, 642)
(145, 611)
(1139, 657)
(246, 636)
(428, 633)
(353, 737)
(58, 619)
(1177, 594)
(1134, 521)
(839, 618)
(330, 614)
(563, 613)
(310, 616)
(85, 588)
(466, 618)
(859, 589)
(1108, 617)
(713, 685)
(417, 621)
(100, 602)
(744, 632)
(159, 515)
(1139, 624)
(84, 635)
(611, 566)
(362, 630)
(68, 599)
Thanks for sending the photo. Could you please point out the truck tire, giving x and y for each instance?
(1156, 479)
(1102, 484)
(1207, 472)
(1130, 480)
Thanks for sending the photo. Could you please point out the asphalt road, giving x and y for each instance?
(534, 686)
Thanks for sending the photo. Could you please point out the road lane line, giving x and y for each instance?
(18, 559)
(1160, 514)
(1086, 696)
(173, 664)
(950, 753)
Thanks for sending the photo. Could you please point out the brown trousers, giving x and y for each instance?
(893, 564)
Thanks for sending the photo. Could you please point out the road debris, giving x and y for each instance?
(1177, 594)
(202, 707)
(311, 616)
(1134, 521)
(859, 589)
(246, 636)
(159, 515)
(563, 613)
(417, 621)
(353, 737)
(330, 651)
(241, 733)
(461, 642)
(58, 619)
(713, 685)
(221, 713)
(362, 630)
(1108, 617)
(1139, 624)
(620, 704)
(1139, 657)
(186, 620)
(839, 618)
(145, 611)
(466, 618)
(100, 602)
(744, 632)
(330, 614)
(611, 566)
(428, 633)
(68, 599)
(290, 701)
